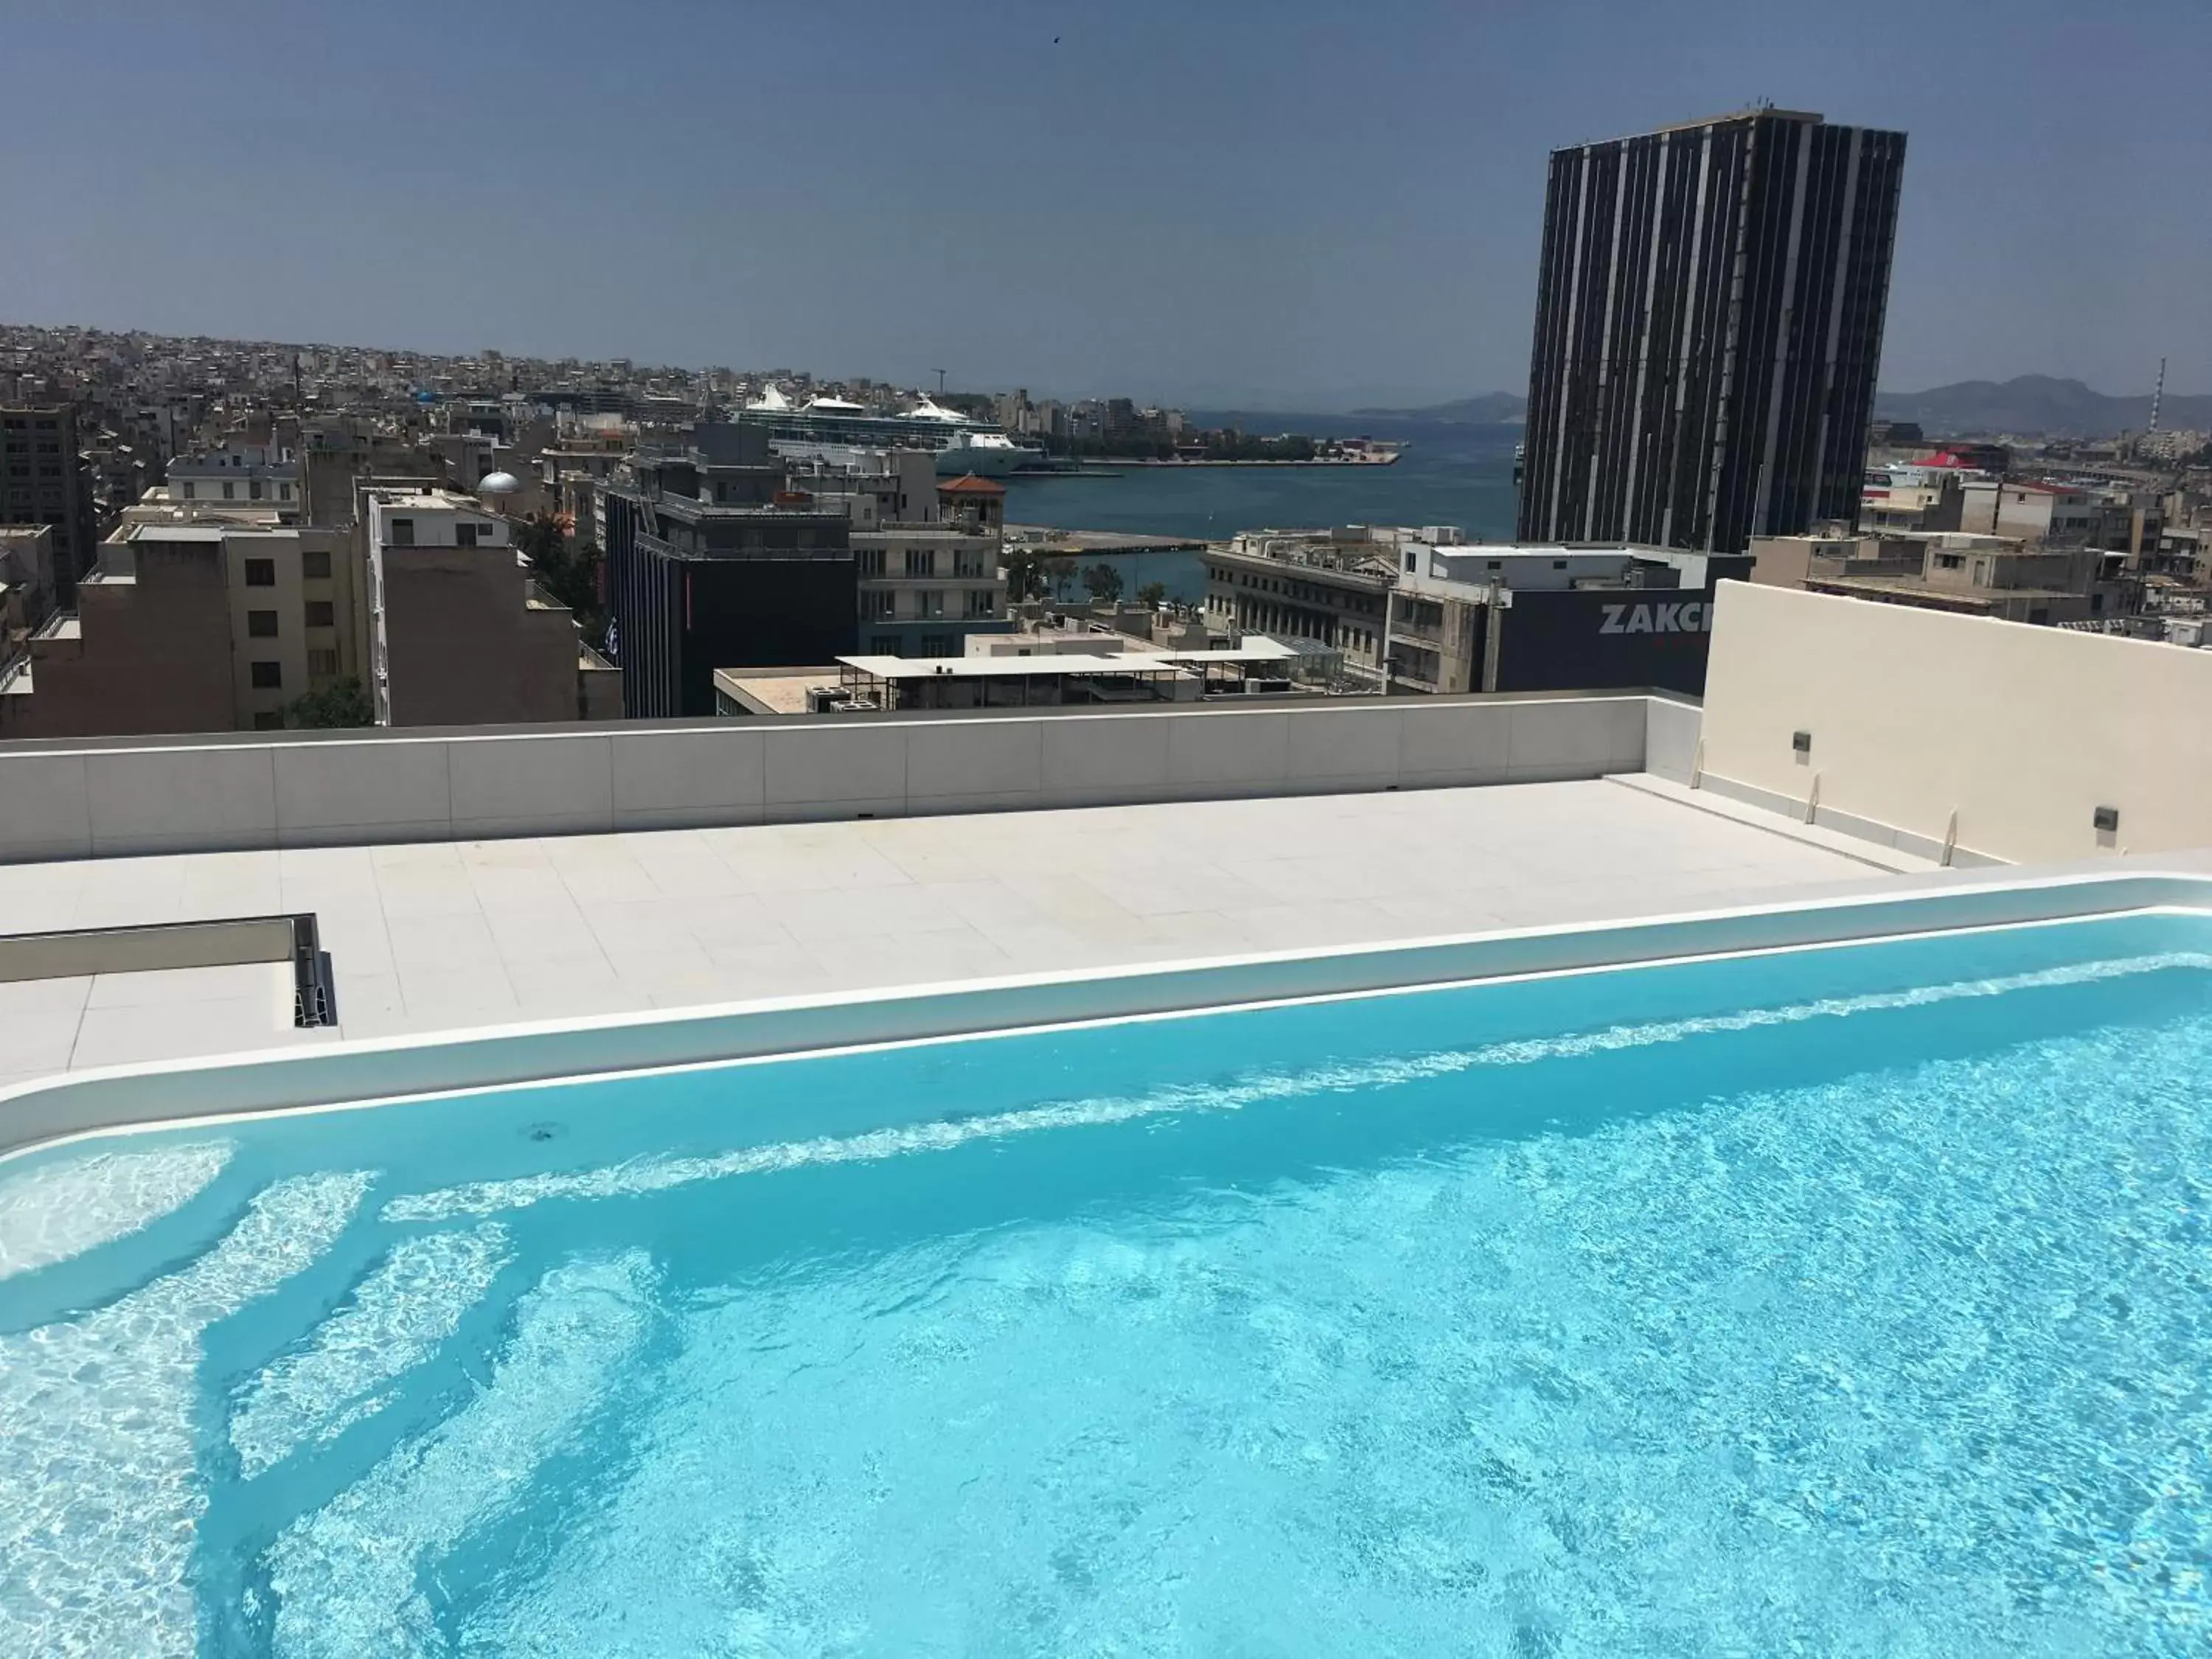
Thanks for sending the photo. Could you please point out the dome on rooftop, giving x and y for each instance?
(499, 484)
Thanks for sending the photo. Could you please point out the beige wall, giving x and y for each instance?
(2023, 730)
(465, 645)
(151, 652)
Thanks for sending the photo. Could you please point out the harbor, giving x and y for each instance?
(1054, 543)
(1150, 522)
(1110, 466)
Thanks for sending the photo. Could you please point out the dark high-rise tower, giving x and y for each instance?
(1709, 320)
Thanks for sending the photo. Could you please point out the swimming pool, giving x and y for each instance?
(1846, 1300)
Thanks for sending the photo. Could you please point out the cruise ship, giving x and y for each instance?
(963, 445)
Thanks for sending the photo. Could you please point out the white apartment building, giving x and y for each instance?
(1329, 587)
(927, 577)
(238, 474)
(460, 633)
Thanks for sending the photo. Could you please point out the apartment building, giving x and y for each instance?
(186, 627)
(924, 588)
(43, 481)
(27, 586)
(1968, 574)
(926, 555)
(341, 454)
(2028, 510)
(1331, 587)
(1511, 618)
(870, 486)
(239, 475)
(460, 633)
(712, 563)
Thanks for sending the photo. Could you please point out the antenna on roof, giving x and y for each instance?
(940, 383)
(2159, 395)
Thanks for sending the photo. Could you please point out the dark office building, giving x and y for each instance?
(1709, 314)
(709, 567)
(43, 481)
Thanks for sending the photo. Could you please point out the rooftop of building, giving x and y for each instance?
(777, 690)
(1921, 590)
(970, 484)
(414, 499)
(1750, 112)
(1142, 657)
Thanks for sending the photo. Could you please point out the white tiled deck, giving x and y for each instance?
(437, 935)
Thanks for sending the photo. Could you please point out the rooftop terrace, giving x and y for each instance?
(488, 876)
(441, 935)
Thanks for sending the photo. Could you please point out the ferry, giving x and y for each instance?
(963, 443)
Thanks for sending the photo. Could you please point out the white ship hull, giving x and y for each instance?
(987, 455)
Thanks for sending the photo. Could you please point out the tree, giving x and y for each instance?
(344, 703)
(1152, 594)
(1104, 581)
(1025, 572)
(1059, 570)
(570, 572)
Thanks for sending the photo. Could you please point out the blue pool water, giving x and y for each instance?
(1844, 1301)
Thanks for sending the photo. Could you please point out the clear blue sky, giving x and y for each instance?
(1205, 201)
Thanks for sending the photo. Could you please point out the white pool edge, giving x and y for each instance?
(160, 1094)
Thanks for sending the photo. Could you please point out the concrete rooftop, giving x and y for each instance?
(430, 936)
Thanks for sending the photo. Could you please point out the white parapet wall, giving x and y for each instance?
(1998, 740)
(118, 797)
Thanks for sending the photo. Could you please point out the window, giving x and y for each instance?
(284, 492)
(322, 663)
(229, 490)
(979, 603)
(261, 573)
(876, 604)
(930, 602)
(261, 624)
(403, 533)
(268, 719)
(919, 561)
(882, 644)
(465, 535)
(253, 489)
(1948, 560)
(267, 676)
(868, 561)
(188, 490)
(321, 613)
(315, 565)
(970, 562)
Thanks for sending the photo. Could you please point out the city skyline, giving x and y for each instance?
(1308, 210)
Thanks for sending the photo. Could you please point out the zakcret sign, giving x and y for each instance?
(1673, 617)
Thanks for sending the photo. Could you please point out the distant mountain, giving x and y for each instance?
(2036, 404)
(2027, 406)
(1488, 410)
